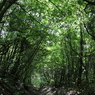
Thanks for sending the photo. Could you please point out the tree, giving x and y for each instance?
(46, 43)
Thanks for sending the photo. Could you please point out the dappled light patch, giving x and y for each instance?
(58, 91)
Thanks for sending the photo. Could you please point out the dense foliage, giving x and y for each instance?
(47, 43)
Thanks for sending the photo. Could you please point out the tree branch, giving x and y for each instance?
(2, 4)
(5, 6)
(88, 31)
(89, 2)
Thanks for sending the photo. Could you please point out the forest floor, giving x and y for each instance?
(65, 91)
(58, 91)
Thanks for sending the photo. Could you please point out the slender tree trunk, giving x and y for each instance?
(80, 59)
